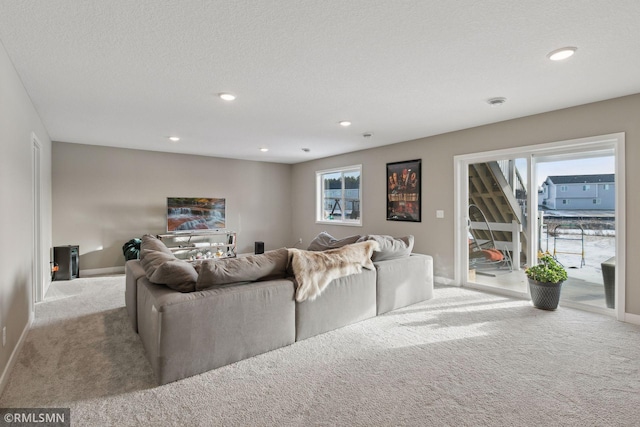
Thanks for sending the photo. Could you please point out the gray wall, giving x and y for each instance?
(18, 119)
(435, 236)
(104, 196)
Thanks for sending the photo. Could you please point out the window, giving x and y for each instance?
(565, 201)
(586, 187)
(338, 195)
(597, 201)
(605, 186)
(564, 188)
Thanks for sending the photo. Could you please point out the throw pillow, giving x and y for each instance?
(492, 254)
(390, 247)
(270, 264)
(324, 241)
(152, 242)
(177, 274)
(153, 253)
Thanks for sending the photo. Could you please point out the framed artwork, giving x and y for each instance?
(403, 191)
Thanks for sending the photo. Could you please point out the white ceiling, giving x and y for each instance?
(128, 73)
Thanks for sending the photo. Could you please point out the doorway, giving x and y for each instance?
(497, 217)
(36, 194)
(576, 222)
(505, 218)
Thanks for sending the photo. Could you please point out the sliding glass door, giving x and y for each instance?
(497, 213)
(577, 214)
(561, 198)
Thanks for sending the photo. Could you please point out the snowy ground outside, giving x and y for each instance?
(585, 283)
(595, 241)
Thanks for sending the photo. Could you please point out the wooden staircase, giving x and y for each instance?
(492, 193)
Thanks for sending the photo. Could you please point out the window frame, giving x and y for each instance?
(320, 196)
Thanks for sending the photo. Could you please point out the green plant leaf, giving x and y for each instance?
(548, 270)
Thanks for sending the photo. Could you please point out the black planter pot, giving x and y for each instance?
(545, 295)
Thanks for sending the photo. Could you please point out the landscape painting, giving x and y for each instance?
(192, 214)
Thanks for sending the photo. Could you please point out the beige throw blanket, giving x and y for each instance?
(315, 270)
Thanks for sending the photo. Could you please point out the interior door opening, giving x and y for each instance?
(37, 275)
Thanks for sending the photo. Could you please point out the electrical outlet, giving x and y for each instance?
(4, 336)
(300, 241)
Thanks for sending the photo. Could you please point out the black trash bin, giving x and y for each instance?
(609, 280)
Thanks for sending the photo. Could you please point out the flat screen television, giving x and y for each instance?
(186, 214)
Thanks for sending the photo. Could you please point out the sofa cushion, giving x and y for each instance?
(324, 241)
(403, 281)
(163, 268)
(269, 265)
(345, 301)
(177, 274)
(153, 253)
(390, 247)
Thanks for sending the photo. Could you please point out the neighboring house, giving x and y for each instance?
(578, 192)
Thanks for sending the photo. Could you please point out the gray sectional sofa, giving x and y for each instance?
(188, 332)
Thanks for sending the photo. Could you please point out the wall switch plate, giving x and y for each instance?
(439, 214)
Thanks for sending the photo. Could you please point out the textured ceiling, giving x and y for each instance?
(130, 73)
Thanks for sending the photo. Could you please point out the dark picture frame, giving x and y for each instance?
(404, 186)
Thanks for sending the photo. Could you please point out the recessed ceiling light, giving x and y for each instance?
(174, 138)
(227, 96)
(345, 123)
(496, 102)
(264, 149)
(562, 53)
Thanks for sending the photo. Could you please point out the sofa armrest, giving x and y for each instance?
(403, 281)
(133, 271)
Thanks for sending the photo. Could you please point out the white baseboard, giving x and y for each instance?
(632, 318)
(443, 281)
(4, 379)
(102, 271)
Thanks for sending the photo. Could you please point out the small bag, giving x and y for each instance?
(131, 249)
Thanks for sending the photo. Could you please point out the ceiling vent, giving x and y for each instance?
(496, 102)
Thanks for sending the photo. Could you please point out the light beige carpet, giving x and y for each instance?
(462, 359)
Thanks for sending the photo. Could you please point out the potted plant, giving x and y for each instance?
(545, 282)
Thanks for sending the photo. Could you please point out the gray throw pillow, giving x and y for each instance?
(153, 253)
(153, 243)
(177, 274)
(271, 264)
(390, 247)
(324, 241)
(151, 260)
